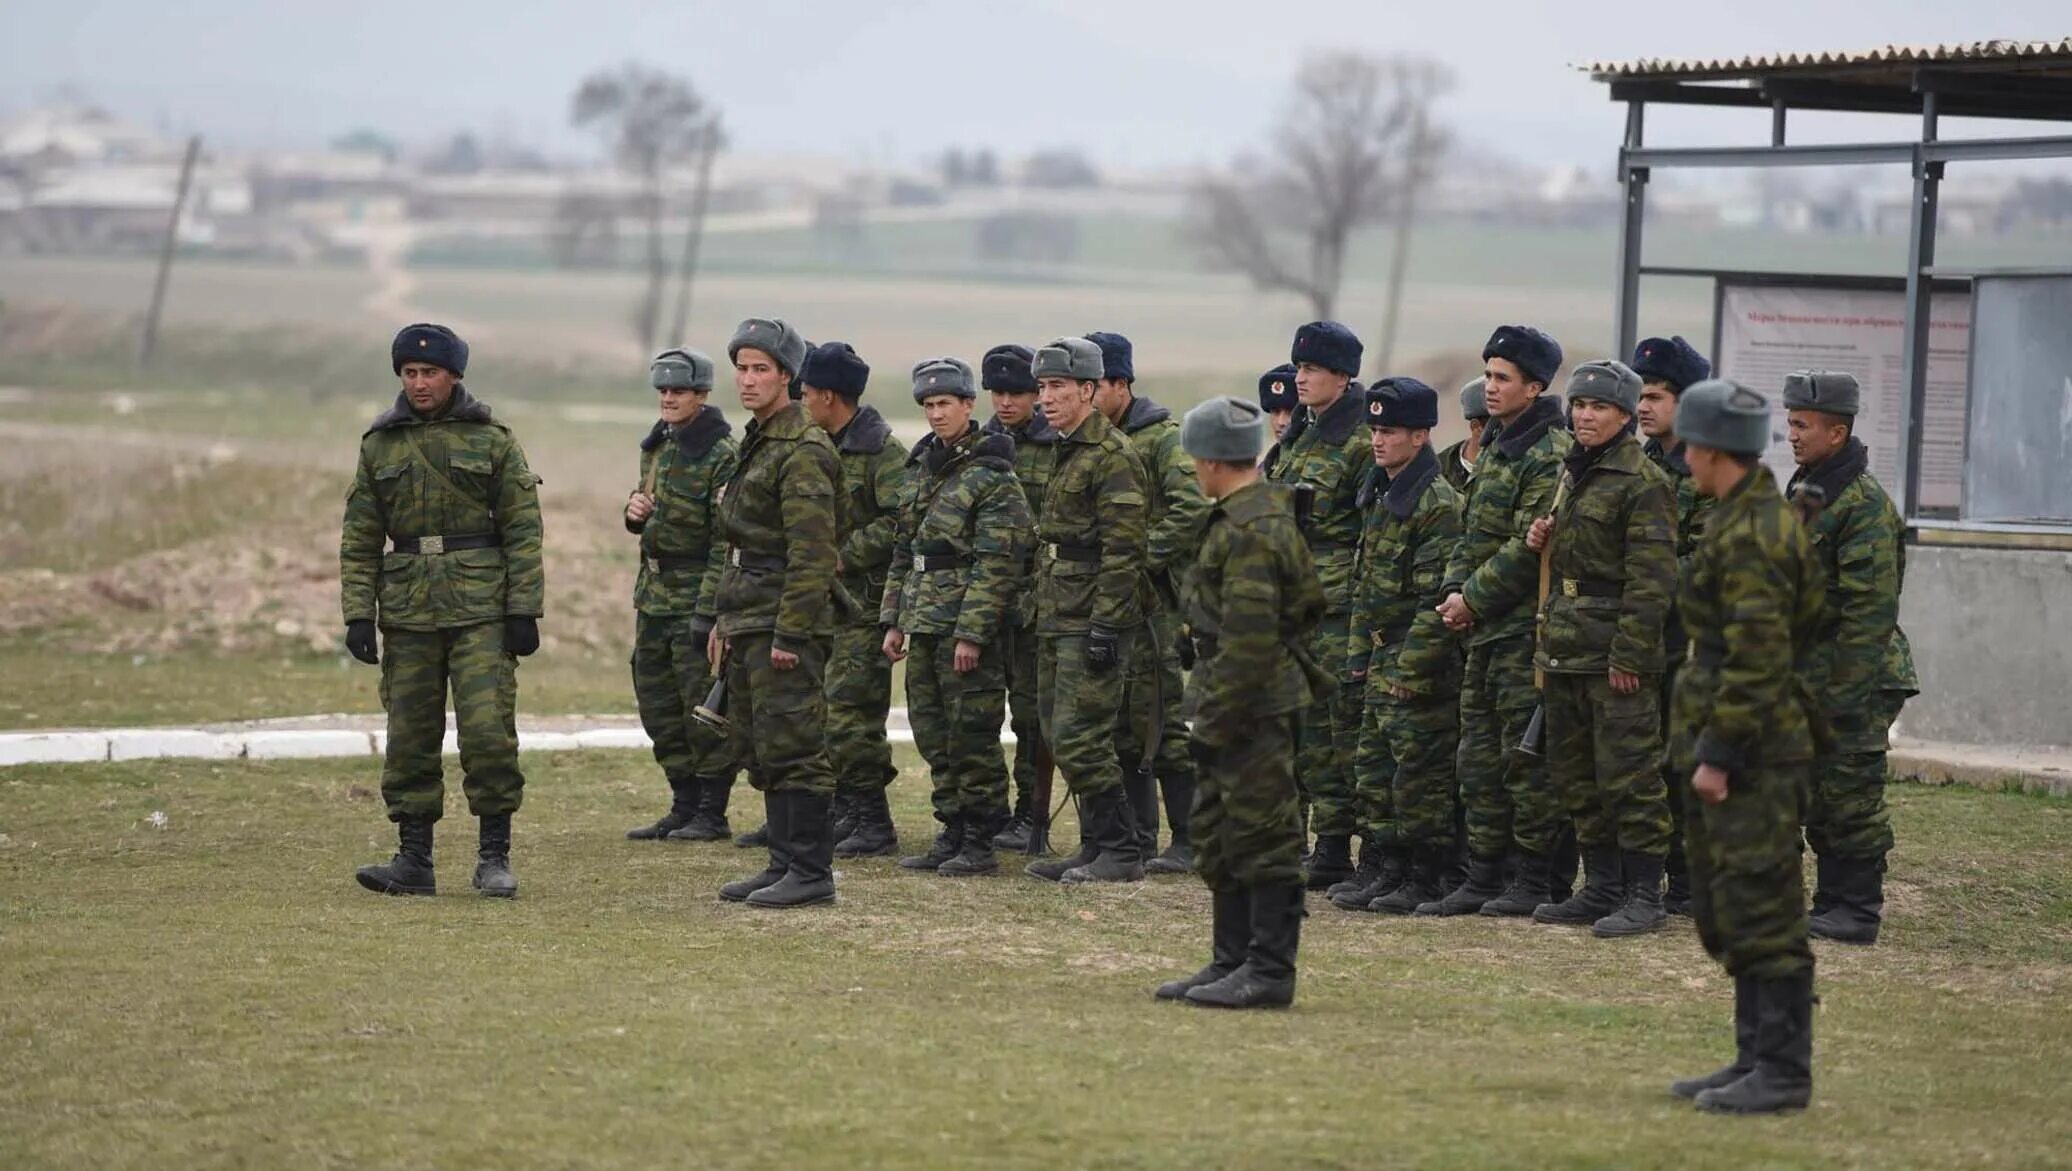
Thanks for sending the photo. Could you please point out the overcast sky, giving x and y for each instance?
(1150, 84)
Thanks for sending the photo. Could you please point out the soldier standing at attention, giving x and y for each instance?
(1457, 463)
(1666, 366)
(859, 676)
(1611, 550)
(1410, 727)
(1491, 584)
(775, 616)
(1860, 667)
(1253, 607)
(684, 460)
(1742, 735)
(1277, 399)
(1091, 594)
(457, 598)
(1154, 689)
(948, 608)
(1006, 376)
(1325, 453)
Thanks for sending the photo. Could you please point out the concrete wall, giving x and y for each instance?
(1992, 636)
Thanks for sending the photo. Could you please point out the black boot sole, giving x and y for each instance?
(382, 886)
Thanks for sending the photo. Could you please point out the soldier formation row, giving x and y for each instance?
(1466, 660)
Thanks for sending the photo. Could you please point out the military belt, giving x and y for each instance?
(1591, 587)
(930, 562)
(675, 564)
(762, 561)
(445, 543)
(1061, 551)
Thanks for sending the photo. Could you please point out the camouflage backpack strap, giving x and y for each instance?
(414, 437)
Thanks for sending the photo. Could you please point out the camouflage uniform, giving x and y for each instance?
(1033, 460)
(1404, 764)
(674, 597)
(461, 478)
(1692, 507)
(1509, 803)
(1331, 453)
(859, 676)
(1456, 473)
(957, 573)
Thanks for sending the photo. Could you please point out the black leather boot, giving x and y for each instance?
(809, 877)
(1603, 891)
(1331, 861)
(947, 843)
(1116, 839)
(683, 805)
(1230, 935)
(1527, 891)
(871, 832)
(1642, 911)
(1389, 872)
(410, 871)
(1783, 1074)
(1856, 902)
(1365, 870)
(709, 822)
(1744, 1047)
(1267, 977)
(780, 855)
(493, 875)
(1178, 856)
(1141, 788)
(976, 856)
(842, 812)
(1420, 883)
(1014, 836)
(1676, 896)
(1483, 883)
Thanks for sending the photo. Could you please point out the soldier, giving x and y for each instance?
(457, 598)
(1490, 586)
(1743, 738)
(1091, 594)
(1325, 453)
(1277, 399)
(1410, 725)
(684, 460)
(1666, 366)
(1005, 374)
(1253, 607)
(1457, 463)
(1860, 667)
(948, 608)
(859, 676)
(776, 618)
(1610, 549)
(1155, 685)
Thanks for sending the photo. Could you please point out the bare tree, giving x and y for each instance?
(651, 120)
(1355, 142)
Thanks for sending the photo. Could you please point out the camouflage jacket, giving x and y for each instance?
(1512, 487)
(1033, 460)
(1455, 472)
(1751, 602)
(1612, 557)
(1857, 537)
(1398, 639)
(875, 491)
(1177, 503)
(680, 551)
(777, 513)
(1090, 566)
(1692, 507)
(963, 539)
(1331, 453)
(1253, 605)
(456, 474)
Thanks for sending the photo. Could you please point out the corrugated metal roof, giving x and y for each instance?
(2023, 56)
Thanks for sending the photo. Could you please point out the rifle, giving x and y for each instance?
(1533, 745)
(712, 713)
(1039, 801)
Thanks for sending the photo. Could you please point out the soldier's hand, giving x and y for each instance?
(1396, 692)
(965, 658)
(1536, 536)
(782, 660)
(1624, 682)
(521, 635)
(1709, 782)
(895, 644)
(359, 640)
(1454, 611)
(639, 507)
(715, 649)
(1103, 650)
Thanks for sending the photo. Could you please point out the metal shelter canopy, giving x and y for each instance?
(2027, 80)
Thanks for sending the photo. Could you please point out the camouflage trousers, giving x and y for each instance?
(1018, 650)
(956, 720)
(1509, 802)
(418, 670)
(1747, 893)
(1328, 734)
(1604, 757)
(1847, 817)
(1152, 696)
(1403, 768)
(670, 677)
(859, 697)
(1247, 818)
(778, 719)
(1082, 713)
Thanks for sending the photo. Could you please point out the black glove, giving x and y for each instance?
(521, 635)
(1103, 650)
(1184, 647)
(359, 640)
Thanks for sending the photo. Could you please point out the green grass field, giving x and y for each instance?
(217, 992)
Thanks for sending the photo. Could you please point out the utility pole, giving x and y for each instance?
(165, 254)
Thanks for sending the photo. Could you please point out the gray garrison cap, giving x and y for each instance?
(1224, 428)
(934, 376)
(1607, 380)
(1070, 357)
(1474, 398)
(1725, 416)
(1833, 391)
(773, 336)
(681, 369)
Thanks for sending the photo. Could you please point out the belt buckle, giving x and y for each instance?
(920, 562)
(1378, 638)
(433, 545)
(654, 564)
(1050, 550)
(1568, 587)
(734, 558)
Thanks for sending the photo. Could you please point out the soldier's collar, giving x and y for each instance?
(1407, 486)
(1515, 438)
(1336, 424)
